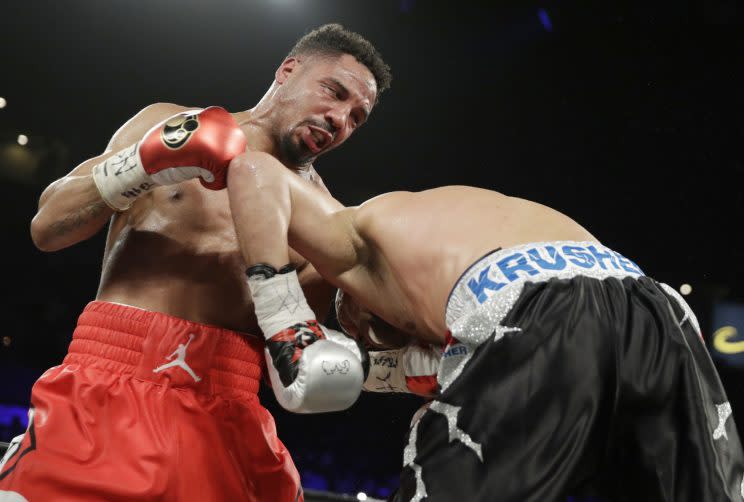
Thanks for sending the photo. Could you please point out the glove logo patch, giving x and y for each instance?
(329, 368)
(305, 335)
(177, 131)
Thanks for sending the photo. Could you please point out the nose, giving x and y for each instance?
(336, 118)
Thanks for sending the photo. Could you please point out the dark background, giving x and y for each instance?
(628, 117)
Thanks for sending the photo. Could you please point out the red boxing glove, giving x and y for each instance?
(188, 145)
(208, 139)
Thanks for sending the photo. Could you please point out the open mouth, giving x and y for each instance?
(316, 138)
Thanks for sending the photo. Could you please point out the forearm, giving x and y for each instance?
(71, 210)
(318, 291)
(261, 207)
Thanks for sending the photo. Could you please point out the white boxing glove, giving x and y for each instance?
(312, 369)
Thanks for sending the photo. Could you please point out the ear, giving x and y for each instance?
(285, 69)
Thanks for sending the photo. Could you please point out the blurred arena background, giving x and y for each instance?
(629, 117)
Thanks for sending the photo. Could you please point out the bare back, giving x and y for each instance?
(422, 242)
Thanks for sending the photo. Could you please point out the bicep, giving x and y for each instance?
(322, 229)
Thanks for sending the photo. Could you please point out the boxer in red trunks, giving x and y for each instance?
(156, 398)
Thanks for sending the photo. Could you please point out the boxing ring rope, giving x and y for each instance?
(3, 447)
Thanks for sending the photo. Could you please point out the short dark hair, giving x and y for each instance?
(334, 40)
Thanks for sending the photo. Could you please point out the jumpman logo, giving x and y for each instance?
(180, 360)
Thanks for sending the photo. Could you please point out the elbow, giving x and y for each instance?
(41, 236)
(252, 169)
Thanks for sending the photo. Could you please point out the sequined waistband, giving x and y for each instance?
(501, 273)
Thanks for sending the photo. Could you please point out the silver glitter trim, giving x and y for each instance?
(472, 322)
(689, 314)
(477, 327)
(495, 273)
(724, 412)
(455, 433)
(500, 330)
(409, 455)
(409, 452)
(420, 488)
(451, 367)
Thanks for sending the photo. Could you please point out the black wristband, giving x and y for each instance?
(267, 271)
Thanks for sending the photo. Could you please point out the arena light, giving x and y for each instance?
(542, 14)
(361, 496)
(685, 289)
(11, 413)
(2, 102)
(22, 139)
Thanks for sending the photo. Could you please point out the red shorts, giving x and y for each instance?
(149, 407)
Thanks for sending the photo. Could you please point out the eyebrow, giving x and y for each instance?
(346, 91)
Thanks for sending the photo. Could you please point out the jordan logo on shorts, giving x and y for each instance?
(180, 360)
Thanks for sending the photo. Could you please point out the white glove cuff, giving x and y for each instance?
(390, 370)
(279, 302)
(386, 371)
(121, 178)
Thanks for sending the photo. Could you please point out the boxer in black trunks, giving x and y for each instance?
(565, 370)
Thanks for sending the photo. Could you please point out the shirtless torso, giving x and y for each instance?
(174, 251)
(172, 349)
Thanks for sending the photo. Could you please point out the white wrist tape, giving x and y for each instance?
(121, 178)
(329, 372)
(386, 372)
(399, 369)
(279, 302)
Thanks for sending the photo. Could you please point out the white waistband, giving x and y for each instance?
(504, 271)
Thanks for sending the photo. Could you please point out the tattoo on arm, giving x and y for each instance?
(79, 218)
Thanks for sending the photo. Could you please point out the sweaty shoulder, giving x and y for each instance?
(134, 128)
(385, 201)
(380, 208)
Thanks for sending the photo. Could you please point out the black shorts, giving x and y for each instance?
(586, 386)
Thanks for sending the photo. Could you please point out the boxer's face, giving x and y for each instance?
(323, 101)
(361, 324)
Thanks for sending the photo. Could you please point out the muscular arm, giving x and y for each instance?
(273, 209)
(319, 292)
(71, 208)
